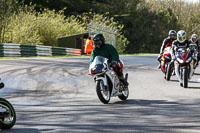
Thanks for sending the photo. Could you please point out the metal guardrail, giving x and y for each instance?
(14, 50)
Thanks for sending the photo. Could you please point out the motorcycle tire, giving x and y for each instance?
(169, 72)
(7, 124)
(100, 92)
(125, 93)
(185, 78)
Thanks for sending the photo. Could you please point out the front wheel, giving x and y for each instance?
(185, 77)
(102, 92)
(169, 71)
(7, 115)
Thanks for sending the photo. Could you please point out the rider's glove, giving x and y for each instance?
(114, 63)
(159, 57)
(175, 49)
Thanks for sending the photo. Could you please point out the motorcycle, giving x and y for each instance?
(184, 66)
(7, 113)
(166, 65)
(108, 83)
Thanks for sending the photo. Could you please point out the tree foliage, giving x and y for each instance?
(142, 24)
(31, 27)
(7, 8)
(27, 26)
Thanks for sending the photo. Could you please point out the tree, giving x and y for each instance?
(74, 7)
(7, 8)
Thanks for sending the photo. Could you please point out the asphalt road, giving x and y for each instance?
(56, 95)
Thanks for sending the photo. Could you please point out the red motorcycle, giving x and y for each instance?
(166, 65)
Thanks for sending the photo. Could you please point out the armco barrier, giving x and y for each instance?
(58, 51)
(28, 50)
(8, 49)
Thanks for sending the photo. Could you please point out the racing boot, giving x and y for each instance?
(159, 60)
(198, 59)
(195, 61)
(123, 80)
(159, 66)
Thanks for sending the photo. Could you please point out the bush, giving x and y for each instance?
(28, 26)
(31, 27)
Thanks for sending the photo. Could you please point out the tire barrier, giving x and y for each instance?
(25, 50)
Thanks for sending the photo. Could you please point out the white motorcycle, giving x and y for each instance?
(107, 82)
(184, 65)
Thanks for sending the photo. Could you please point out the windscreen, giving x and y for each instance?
(99, 60)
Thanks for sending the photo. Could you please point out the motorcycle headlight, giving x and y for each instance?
(180, 60)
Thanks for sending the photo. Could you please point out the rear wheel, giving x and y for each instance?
(102, 92)
(125, 92)
(185, 77)
(8, 116)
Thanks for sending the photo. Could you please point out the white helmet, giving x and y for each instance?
(181, 36)
(194, 38)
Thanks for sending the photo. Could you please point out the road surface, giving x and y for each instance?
(56, 95)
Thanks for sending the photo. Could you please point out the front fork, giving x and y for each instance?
(179, 71)
(103, 78)
(178, 74)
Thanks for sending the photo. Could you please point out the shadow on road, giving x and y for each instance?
(174, 80)
(144, 102)
(20, 130)
(196, 73)
(194, 87)
(122, 116)
(194, 82)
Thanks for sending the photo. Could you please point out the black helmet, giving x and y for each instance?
(99, 40)
(172, 32)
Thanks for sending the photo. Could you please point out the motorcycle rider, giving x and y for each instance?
(108, 51)
(180, 42)
(194, 40)
(167, 43)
